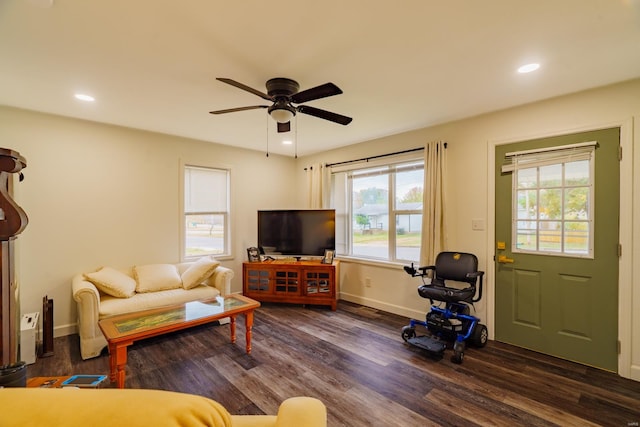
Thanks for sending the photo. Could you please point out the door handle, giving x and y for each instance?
(504, 260)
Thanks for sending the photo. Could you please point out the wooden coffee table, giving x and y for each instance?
(123, 330)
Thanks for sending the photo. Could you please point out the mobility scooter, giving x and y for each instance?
(450, 320)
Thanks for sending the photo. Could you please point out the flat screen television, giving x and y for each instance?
(297, 232)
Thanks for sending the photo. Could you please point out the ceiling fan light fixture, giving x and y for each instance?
(281, 115)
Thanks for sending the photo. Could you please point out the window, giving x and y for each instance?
(552, 201)
(379, 210)
(206, 211)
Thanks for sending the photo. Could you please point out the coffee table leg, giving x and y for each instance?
(117, 363)
(232, 327)
(113, 350)
(249, 324)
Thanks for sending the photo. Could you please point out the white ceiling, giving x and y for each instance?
(152, 64)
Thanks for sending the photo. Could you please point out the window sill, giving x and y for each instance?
(374, 263)
(216, 257)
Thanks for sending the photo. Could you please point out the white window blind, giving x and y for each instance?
(548, 156)
(205, 190)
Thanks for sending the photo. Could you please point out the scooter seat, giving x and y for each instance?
(447, 294)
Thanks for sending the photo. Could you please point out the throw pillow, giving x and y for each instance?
(199, 271)
(112, 282)
(156, 277)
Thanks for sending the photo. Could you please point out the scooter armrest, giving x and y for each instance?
(425, 268)
(414, 272)
(479, 274)
(475, 274)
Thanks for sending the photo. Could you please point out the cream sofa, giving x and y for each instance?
(27, 407)
(109, 292)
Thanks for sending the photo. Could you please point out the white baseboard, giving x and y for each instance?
(61, 331)
(64, 330)
(635, 373)
(384, 306)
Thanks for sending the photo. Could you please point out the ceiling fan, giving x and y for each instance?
(284, 93)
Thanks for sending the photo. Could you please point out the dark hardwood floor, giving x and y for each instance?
(355, 361)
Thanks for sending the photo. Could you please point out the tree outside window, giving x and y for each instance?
(553, 208)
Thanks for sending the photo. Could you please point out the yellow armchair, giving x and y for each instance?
(293, 412)
(70, 407)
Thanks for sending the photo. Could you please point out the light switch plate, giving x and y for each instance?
(477, 224)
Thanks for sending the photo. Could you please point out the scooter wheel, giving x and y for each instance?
(408, 332)
(480, 336)
(458, 357)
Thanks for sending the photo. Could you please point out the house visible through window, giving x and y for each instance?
(206, 211)
(379, 209)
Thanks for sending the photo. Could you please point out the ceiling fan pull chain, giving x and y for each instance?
(267, 128)
(295, 135)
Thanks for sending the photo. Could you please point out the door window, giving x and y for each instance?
(552, 202)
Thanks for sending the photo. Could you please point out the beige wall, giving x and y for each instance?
(470, 196)
(105, 195)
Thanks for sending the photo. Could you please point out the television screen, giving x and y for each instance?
(297, 232)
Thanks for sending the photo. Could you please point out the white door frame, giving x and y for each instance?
(626, 285)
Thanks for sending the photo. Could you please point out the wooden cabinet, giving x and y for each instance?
(298, 282)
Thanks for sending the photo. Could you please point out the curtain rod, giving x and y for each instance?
(366, 159)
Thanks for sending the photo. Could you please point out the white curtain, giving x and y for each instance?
(434, 224)
(318, 186)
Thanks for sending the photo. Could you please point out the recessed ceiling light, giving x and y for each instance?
(287, 142)
(528, 68)
(84, 97)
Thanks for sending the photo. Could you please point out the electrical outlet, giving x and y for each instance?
(367, 282)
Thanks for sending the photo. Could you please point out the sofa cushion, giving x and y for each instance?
(112, 282)
(156, 277)
(199, 271)
(110, 306)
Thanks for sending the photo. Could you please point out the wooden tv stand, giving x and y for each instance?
(296, 282)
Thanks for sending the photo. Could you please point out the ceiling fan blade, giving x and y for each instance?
(244, 87)
(233, 110)
(324, 114)
(284, 127)
(322, 91)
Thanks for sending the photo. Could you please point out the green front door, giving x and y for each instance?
(557, 251)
